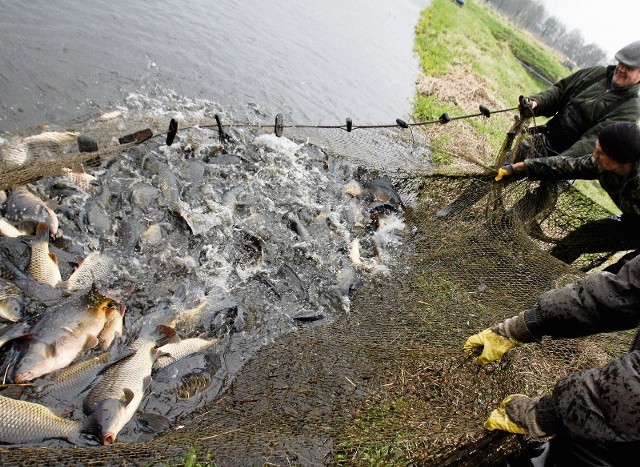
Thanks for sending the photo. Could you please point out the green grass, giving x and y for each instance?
(448, 36)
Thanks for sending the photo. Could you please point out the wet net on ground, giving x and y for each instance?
(387, 382)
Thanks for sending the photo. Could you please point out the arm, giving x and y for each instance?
(561, 168)
(549, 101)
(552, 168)
(627, 112)
(598, 404)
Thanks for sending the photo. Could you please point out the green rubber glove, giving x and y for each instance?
(492, 346)
(499, 420)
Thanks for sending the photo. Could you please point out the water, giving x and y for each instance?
(267, 234)
(315, 62)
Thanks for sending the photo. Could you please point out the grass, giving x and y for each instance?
(474, 39)
(468, 56)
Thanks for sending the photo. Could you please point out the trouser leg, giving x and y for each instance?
(603, 235)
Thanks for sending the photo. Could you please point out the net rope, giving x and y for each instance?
(391, 373)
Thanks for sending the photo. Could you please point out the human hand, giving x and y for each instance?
(499, 419)
(512, 171)
(526, 106)
(491, 346)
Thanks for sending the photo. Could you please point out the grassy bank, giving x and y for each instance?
(471, 56)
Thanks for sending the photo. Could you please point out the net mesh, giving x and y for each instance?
(386, 383)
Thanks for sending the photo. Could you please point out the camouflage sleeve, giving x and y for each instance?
(627, 112)
(600, 302)
(598, 404)
(561, 168)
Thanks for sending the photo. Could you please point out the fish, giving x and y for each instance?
(11, 301)
(68, 328)
(8, 230)
(52, 138)
(193, 384)
(113, 328)
(175, 351)
(42, 293)
(43, 265)
(95, 267)
(68, 383)
(13, 153)
(81, 178)
(28, 422)
(114, 398)
(14, 331)
(27, 210)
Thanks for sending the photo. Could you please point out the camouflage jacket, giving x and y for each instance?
(579, 106)
(624, 191)
(600, 404)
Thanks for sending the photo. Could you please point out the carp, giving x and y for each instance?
(28, 422)
(26, 210)
(114, 398)
(43, 265)
(11, 301)
(8, 230)
(175, 351)
(94, 268)
(70, 327)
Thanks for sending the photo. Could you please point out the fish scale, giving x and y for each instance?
(24, 422)
(43, 266)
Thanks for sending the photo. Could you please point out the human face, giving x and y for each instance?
(607, 164)
(624, 76)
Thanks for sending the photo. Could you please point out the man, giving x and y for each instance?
(580, 105)
(593, 415)
(615, 163)
(587, 101)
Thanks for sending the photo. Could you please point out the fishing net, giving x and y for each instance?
(385, 383)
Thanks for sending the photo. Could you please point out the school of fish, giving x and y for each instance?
(124, 287)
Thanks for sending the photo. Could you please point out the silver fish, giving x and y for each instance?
(94, 268)
(114, 399)
(8, 230)
(65, 331)
(25, 422)
(43, 265)
(11, 301)
(175, 351)
(25, 208)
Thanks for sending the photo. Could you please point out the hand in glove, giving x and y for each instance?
(499, 419)
(512, 171)
(491, 345)
(516, 414)
(526, 106)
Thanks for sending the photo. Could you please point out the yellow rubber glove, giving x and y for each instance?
(499, 420)
(504, 171)
(491, 345)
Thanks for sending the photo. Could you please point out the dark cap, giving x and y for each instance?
(629, 55)
(621, 141)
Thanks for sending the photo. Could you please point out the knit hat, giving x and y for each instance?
(629, 55)
(621, 141)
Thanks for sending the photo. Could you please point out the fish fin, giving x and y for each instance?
(54, 258)
(127, 396)
(164, 335)
(50, 350)
(90, 343)
(42, 231)
(154, 423)
(146, 382)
